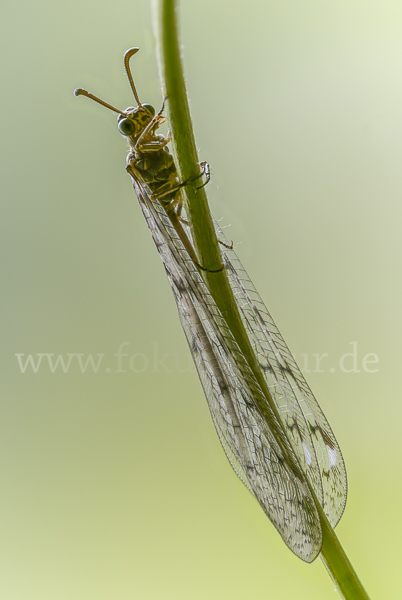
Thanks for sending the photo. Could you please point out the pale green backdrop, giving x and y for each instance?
(113, 485)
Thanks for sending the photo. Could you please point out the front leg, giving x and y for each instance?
(156, 142)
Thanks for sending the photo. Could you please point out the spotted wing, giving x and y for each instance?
(231, 391)
(306, 425)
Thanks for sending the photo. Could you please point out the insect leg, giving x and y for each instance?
(205, 171)
(226, 245)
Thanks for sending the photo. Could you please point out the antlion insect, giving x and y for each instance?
(149, 161)
(283, 449)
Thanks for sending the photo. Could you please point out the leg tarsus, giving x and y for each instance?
(209, 270)
(226, 245)
(163, 106)
(205, 171)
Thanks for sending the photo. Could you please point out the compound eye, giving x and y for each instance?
(149, 108)
(127, 127)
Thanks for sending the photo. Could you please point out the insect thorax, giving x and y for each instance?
(149, 159)
(155, 169)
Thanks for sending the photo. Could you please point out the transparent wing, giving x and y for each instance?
(308, 430)
(231, 391)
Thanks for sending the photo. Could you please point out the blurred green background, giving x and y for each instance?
(113, 484)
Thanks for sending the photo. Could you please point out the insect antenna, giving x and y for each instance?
(127, 57)
(81, 92)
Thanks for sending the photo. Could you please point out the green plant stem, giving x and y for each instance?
(338, 565)
(209, 255)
